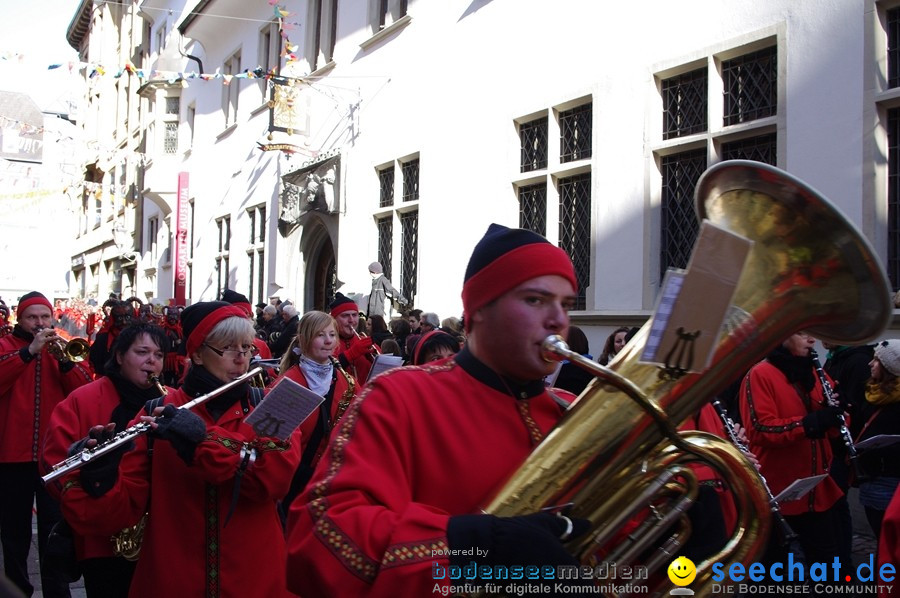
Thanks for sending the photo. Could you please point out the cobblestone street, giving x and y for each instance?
(863, 546)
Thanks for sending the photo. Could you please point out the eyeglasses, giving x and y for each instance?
(252, 350)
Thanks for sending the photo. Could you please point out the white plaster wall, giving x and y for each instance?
(448, 87)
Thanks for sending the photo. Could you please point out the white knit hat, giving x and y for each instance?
(888, 353)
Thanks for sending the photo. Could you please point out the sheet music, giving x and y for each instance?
(799, 488)
(284, 408)
(384, 363)
(877, 442)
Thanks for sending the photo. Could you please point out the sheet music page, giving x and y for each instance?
(876, 442)
(284, 408)
(799, 488)
(384, 363)
(694, 303)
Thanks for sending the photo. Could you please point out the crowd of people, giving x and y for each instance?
(383, 484)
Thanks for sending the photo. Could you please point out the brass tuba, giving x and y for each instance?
(616, 449)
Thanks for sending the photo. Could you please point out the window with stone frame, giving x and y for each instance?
(256, 253)
(553, 192)
(231, 90)
(747, 80)
(399, 178)
(269, 54)
(323, 31)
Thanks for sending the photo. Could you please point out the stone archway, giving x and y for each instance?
(324, 276)
(320, 265)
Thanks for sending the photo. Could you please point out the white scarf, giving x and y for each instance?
(318, 375)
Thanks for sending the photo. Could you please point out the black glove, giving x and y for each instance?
(818, 422)
(99, 474)
(182, 428)
(534, 539)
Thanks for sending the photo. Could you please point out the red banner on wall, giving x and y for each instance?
(182, 252)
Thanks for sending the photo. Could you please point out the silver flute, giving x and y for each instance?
(125, 436)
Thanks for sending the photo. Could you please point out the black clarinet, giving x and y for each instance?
(788, 534)
(828, 392)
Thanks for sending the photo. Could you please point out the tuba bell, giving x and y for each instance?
(616, 451)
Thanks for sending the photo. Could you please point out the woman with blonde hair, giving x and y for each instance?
(309, 361)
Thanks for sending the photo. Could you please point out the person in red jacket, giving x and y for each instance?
(396, 499)
(787, 423)
(32, 383)
(310, 363)
(355, 352)
(137, 354)
(211, 484)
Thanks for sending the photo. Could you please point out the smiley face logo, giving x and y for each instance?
(682, 571)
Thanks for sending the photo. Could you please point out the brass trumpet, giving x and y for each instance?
(75, 350)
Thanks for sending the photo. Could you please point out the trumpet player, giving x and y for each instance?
(32, 383)
(132, 374)
(211, 485)
(396, 499)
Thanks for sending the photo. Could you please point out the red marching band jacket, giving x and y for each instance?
(188, 550)
(28, 394)
(88, 406)
(773, 411)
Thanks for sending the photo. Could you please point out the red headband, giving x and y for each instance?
(245, 306)
(36, 300)
(512, 269)
(199, 334)
(341, 308)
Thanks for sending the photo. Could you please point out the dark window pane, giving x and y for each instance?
(409, 248)
(262, 225)
(385, 244)
(893, 223)
(751, 86)
(533, 208)
(410, 172)
(575, 229)
(685, 104)
(386, 180)
(575, 133)
(533, 138)
(680, 173)
(761, 149)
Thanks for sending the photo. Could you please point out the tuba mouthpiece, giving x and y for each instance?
(554, 348)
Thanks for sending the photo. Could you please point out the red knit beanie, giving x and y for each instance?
(32, 298)
(235, 298)
(198, 320)
(505, 258)
(341, 304)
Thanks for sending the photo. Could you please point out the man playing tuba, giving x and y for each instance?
(396, 498)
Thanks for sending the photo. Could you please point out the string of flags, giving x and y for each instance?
(94, 70)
